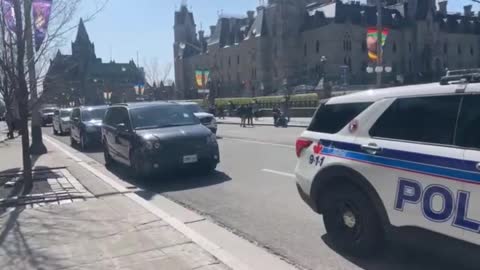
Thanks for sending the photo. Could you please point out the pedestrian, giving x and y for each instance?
(231, 109)
(221, 112)
(276, 115)
(249, 112)
(256, 110)
(10, 124)
(242, 113)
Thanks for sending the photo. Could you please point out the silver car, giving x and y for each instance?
(207, 119)
(61, 121)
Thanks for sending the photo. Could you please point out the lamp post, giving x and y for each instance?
(139, 90)
(107, 95)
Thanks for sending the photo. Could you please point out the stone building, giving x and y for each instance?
(283, 43)
(82, 78)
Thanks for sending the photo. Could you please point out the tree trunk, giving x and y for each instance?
(37, 147)
(22, 98)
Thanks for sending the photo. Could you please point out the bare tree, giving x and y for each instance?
(153, 74)
(19, 64)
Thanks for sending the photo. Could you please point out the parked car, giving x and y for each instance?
(61, 121)
(85, 126)
(47, 115)
(158, 136)
(207, 119)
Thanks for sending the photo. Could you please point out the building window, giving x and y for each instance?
(445, 48)
(394, 47)
(275, 51)
(317, 47)
(364, 46)
(472, 52)
(409, 47)
(275, 72)
(229, 61)
(305, 52)
(238, 59)
(459, 49)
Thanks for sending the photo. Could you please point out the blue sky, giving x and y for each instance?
(127, 26)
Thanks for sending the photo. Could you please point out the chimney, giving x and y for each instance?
(467, 10)
(212, 29)
(251, 15)
(442, 7)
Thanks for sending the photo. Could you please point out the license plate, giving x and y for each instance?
(190, 159)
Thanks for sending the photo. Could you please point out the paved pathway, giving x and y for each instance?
(104, 230)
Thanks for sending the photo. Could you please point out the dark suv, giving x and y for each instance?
(86, 124)
(47, 115)
(152, 137)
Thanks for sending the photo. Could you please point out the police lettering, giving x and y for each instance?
(453, 207)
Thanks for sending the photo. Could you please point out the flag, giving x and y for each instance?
(41, 17)
(199, 79)
(9, 14)
(206, 78)
(372, 38)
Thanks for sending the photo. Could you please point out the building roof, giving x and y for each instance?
(321, 14)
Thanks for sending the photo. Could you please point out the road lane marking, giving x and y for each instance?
(258, 142)
(214, 248)
(279, 173)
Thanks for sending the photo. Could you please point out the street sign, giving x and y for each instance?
(204, 91)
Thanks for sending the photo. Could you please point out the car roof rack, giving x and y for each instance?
(461, 78)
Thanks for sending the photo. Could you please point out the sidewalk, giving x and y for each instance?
(268, 121)
(74, 220)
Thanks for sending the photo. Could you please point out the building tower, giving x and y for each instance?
(285, 19)
(185, 33)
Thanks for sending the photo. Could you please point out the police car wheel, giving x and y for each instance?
(352, 224)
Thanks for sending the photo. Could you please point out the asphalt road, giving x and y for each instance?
(253, 193)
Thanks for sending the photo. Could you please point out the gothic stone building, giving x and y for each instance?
(283, 43)
(82, 77)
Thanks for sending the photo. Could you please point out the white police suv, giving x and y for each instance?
(398, 157)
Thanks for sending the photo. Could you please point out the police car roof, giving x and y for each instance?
(403, 91)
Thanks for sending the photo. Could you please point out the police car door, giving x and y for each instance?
(407, 154)
(468, 199)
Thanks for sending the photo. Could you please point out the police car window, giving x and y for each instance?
(424, 119)
(333, 118)
(468, 130)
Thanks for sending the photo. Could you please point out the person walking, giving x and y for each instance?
(242, 113)
(256, 110)
(10, 124)
(249, 112)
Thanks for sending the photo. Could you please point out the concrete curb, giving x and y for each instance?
(232, 250)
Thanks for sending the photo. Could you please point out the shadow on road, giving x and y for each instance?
(168, 182)
(410, 252)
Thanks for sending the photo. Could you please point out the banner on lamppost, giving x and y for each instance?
(41, 17)
(201, 78)
(372, 38)
(9, 14)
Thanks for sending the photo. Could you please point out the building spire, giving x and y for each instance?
(82, 32)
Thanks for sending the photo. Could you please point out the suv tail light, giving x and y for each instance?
(301, 145)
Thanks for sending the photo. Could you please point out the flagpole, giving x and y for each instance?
(379, 42)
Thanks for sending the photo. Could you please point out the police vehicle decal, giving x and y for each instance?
(448, 168)
(454, 206)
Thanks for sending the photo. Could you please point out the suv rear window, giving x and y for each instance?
(422, 119)
(333, 118)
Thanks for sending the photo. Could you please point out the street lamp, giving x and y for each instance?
(107, 95)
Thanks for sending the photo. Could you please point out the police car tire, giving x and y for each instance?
(367, 236)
